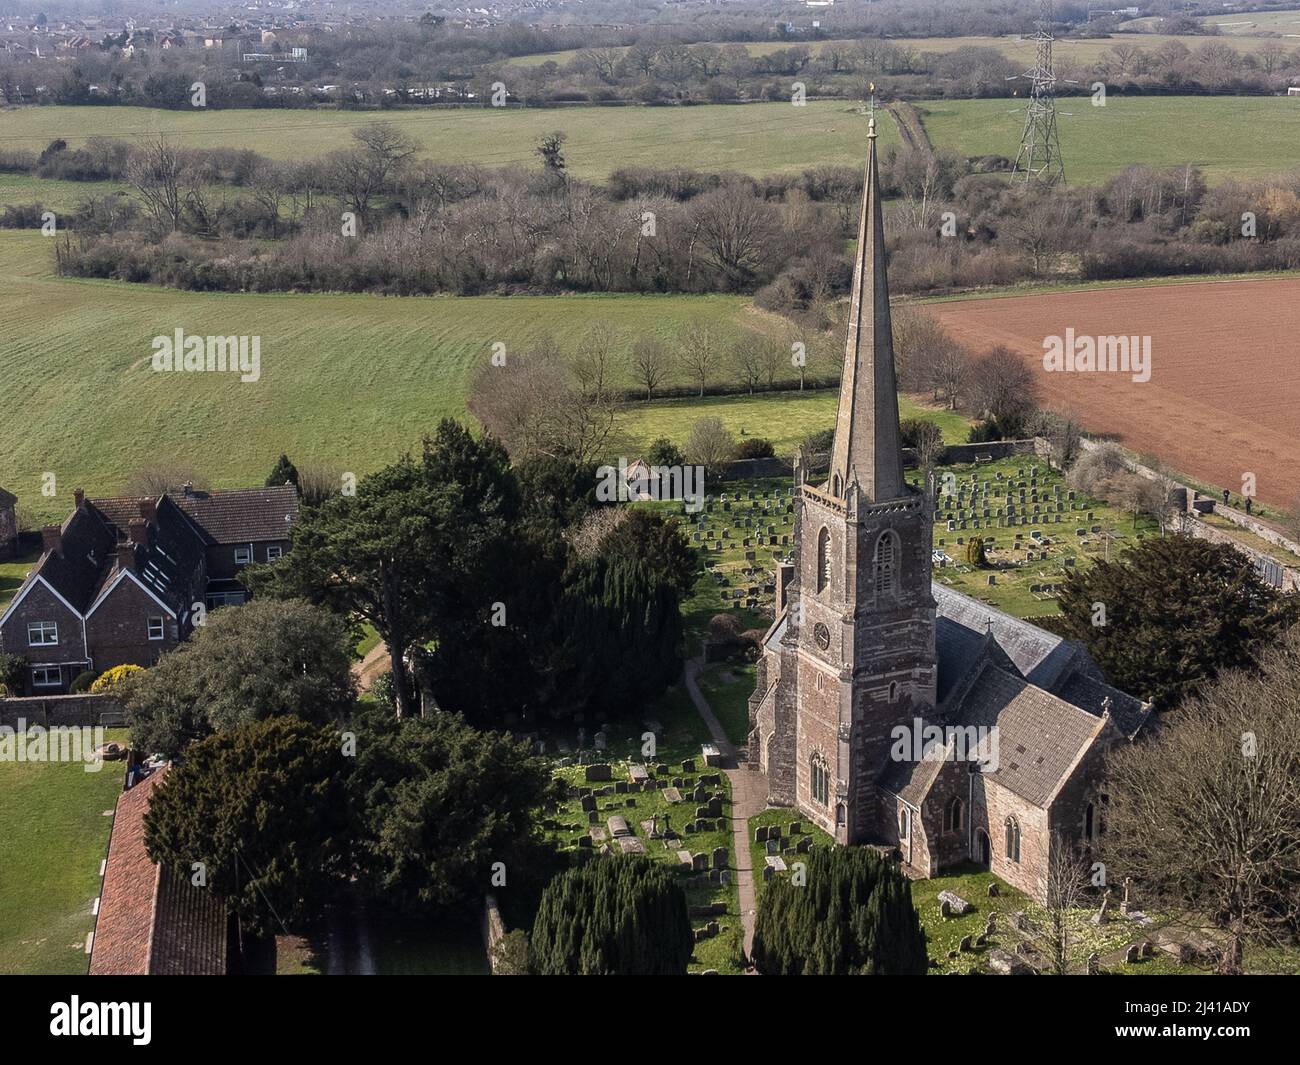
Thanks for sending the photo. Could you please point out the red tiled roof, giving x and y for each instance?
(151, 920)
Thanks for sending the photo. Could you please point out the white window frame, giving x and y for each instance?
(47, 670)
(245, 549)
(161, 627)
(42, 626)
(278, 552)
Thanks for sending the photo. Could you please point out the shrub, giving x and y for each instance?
(755, 448)
(663, 452)
(113, 679)
(13, 673)
(82, 682)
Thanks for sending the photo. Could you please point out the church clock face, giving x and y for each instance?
(822, 635)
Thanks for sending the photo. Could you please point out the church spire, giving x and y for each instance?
(867, 445)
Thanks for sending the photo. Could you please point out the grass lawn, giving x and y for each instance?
(12, 575)
(785, 418)
(569, 824)
(727, 687)
(55, 837)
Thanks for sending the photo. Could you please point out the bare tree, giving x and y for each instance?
(156, 170)
(531, 407)
(1205, 815)
(375, 165)
(699, 348)
(651, 363)
(736, 231)
(593, 361)
(1002, 387)
(710, 445)
(746, 360)
(1053, 931)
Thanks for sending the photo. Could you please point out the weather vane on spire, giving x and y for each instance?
(871, 122)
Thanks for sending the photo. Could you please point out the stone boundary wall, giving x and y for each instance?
(1197, 504)
(53, 710)
(494, 929)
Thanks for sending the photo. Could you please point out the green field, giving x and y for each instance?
(55, 836)
(785, 418)
(1227, 136)
(12, 575)
(1230, 136)
(347, 380)
(754, 138)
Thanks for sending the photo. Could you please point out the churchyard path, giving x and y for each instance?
(748, 798)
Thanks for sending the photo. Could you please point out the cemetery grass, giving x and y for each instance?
(781, 816)
(1028, 589)
(721, 952)
(54, 839)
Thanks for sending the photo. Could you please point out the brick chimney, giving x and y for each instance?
(139, 531)
(78, 497)
(148, 509)
(52, 535)
(187, 489)
(126, 556)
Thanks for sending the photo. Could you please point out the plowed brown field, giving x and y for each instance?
(1224, 395)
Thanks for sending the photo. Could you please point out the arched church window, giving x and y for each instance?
(893, 691)
(1013, 839)
(904, 822)
(953, 815)
(1090, 823)
(820, 780)
(823, 559)
(836, 486)
(886, 561)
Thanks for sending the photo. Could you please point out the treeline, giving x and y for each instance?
(651, 58)
(376, 218)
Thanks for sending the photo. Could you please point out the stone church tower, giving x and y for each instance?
(856, 656)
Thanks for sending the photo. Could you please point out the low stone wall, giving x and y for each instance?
(53, 710)
(1281, 577)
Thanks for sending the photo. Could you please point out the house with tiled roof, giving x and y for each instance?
(152, 921)
(8, 525)
(892, 710)
(125, 579)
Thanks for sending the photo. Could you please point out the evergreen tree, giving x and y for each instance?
(285, 472)
(854, 916)
(1171, 613)
(612, 917)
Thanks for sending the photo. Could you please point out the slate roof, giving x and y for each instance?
(181, 527)
(961, 623)
(7, 499)
(152, 921)
(240, 515)
(1040, 736)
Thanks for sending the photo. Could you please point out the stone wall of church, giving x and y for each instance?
(948, 848)
(994, 804)
(818, 733)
